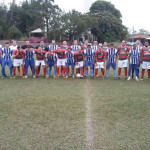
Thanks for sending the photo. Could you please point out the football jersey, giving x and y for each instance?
(29, 54)
(83, 47)
(100, 55)
(95, 47)
(6, 53)
(64, 47)
(89, 54)
(145, 53)
(79, 56)
(61, 54)
(53, 47)
(123, 52)
(111, 54)
(12, 47)
(134, 56)
(70, 57)
(40, 55)
(50, 57)
(20, 55)
(75, 48)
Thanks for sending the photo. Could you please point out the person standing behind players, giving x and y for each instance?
(95, 46)
(111, 60)
(29, 61)
(70, 61)
(100, 59)
(84, 46)
(145, 58)
(18, 56)
(40, 60)
(64, 45)
(105, 47)
(79, 59)
(51, 61)
(1, 59)
(75, 47)
(89, 57)
(61, 60)
(123, 51)
(53, 46)
(6, 53)
(134, 57)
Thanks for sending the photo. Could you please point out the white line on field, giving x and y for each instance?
(89, 129)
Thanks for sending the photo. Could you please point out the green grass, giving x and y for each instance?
(43, 114)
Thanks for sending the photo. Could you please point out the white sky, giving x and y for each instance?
(134, 12)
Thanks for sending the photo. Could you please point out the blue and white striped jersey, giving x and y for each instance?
(69, 57)
(134, 56)
(111, 53)
(95, 47)
(139, 48)
(53, 47)
(75, 48)
(89, 54)
(29, 55)
(6, 53)
(50, 57)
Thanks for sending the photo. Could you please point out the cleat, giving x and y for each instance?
(10, 77)
(92, 77)
(81, 77)
(26, 77)
(64, 77)
(125, 78)
(73, 77)
(20, 75)
(33, 76)
(142, 79)
(136, 78)
(118, 78)
(67, 77)
(36, 77)
(129, 78)
(47, 76)
(14, 77)
(23, 77)
(2, 77)
(85, 77)
(149, 79)
(103, 78)
(5, 75)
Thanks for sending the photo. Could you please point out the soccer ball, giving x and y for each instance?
(78, 75)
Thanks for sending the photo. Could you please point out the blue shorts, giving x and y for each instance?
(89, 63)
(50, 63)
(72, 64)
(133, 66)
(113, 65)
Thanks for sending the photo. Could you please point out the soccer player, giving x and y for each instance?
(75, 46)
(6, 53)
(84, 47)
(111, 60)
(105, 47)
(70, 61)
(100, 59)
(134, 57)
(53, 46)
(123, 51)
(40, 59)
(18, 56)
(61, 60)
(95, 46)
(51, 61)
(79, 59)
(42, 45)
(64, 45)
(29, 61)
(145, 58)
(27, 43)
(89, 57)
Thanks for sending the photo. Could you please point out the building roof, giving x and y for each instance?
(37, 31)
(139, 36)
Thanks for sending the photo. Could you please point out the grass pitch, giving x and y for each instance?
(50, 114)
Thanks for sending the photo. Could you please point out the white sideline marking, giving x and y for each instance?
(89, 129)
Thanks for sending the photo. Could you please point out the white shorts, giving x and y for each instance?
(17, 62)
(145, 65)
(61, 62)
(100, 65)
(79, 65)
(38, 62)
(123, 63)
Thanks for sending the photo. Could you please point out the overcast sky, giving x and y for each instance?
(134, 12)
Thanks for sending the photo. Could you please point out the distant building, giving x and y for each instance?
(87, 5)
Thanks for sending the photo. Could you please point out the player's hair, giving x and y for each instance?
(18, 47)
(6, 43)
(111, 44)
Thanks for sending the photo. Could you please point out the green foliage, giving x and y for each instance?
(14, 33)
(109, 25)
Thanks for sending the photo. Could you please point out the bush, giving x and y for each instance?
(14, 33)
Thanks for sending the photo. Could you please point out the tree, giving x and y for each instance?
(14, 33)
(143, 31)
(109, 25)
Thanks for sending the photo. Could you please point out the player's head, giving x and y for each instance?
(138, 42)
(123, 43)
(134, 46)
(42, 43)
(40, 48)
(69, 49)
(18, 48)
(111, 45)
(95, 43)
(89, 46)
(28, 47)
(64, 42)
(14, 43)
(79, 50)
(27, 43)
(146, 44)
(53, 42)
(7, 44)
(75, 42)
(105, 44)
(59, 49)
(100, 47)
(86, 42)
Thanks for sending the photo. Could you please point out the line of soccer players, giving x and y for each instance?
(63, 58)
